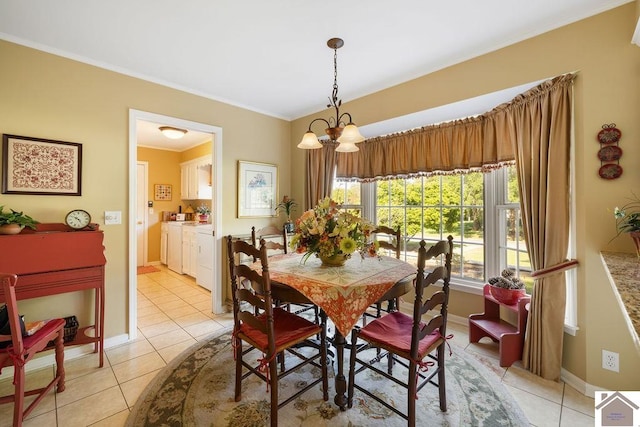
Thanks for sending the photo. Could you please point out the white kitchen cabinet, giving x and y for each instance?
(195, 179)
(164, 241)
(189, 250)
(174, 247)
(204, 269)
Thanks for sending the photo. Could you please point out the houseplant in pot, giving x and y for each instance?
(507, 288)
(628, 221)
(287, 206)
(12, 222)
(203, 212)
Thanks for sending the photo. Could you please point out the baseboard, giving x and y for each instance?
(70, 353)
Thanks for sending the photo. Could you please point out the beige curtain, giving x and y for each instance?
(321, 164)
(540, 122)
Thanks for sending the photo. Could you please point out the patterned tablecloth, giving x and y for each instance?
(344, 293)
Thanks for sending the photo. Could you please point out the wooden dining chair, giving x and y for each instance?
(284, 296)
(409, 340)
(391, 242)
(272, 331)
(20, 350)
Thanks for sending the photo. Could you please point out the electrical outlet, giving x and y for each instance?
(610, 361)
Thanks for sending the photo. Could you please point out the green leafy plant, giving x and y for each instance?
(507, 280)
(286, 206)
(203, 209)
(14, 217)
(628, 216)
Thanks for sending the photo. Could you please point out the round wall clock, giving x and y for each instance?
(78, 219)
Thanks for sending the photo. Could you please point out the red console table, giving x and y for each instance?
(55, 259)
(489, 324)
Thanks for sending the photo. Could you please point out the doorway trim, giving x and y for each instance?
(145, 231)
(216, 214)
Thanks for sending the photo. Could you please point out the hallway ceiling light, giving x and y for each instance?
(347, 136)
(172, 133)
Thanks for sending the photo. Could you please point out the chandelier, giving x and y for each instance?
(347, 135)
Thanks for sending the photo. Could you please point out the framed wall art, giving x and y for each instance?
(41, 166)
(162, 192)
(257, 189)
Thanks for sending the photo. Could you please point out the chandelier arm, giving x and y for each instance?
(318, 119)
(342, 115)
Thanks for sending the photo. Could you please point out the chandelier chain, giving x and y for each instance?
(334, 95)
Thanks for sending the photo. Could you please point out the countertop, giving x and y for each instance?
(624, 271)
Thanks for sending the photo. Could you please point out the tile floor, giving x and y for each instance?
(174, 313)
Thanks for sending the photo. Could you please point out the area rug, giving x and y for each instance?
(147, 269)
(196, 389)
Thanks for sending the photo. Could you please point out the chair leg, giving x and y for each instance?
(441, 382)
(352, 367)
(238, 355)
(18, 409)
(323, 356)
(273, 383)
(411, 394)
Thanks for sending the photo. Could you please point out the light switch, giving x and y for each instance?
(150, 211)
(112, 217)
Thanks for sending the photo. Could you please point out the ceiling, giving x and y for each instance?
(272, 57)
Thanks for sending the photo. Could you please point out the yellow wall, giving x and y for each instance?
(47, 96)
(607, 90)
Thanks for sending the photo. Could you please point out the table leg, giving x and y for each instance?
(341, 382)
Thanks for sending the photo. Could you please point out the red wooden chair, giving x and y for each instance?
(409, 340)
(22, 349)
(272, 331)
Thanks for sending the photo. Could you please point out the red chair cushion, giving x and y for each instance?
(394, 332)
(288, 328)
(45, 333)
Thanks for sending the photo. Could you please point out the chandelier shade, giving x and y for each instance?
(346, 134)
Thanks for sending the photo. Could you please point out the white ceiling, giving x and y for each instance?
(271, 56)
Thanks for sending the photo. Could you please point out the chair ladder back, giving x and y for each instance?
(396, 246)
(9, 287)
(438, 299)
(259, 301)
(270, 231)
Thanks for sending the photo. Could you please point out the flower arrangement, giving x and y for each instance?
(286, 206)
(628, 216)
(327, 231)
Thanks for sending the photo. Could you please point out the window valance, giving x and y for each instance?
(479, 143)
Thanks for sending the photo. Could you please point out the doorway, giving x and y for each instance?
(216, 217)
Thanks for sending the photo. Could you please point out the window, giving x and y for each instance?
(431, 208)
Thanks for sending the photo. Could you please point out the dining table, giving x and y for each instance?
(343, 293)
